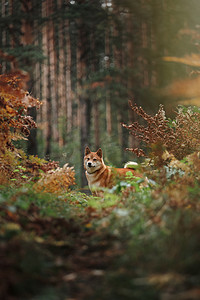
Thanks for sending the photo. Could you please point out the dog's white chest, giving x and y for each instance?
(92, 182)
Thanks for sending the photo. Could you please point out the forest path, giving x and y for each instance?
(77, 247)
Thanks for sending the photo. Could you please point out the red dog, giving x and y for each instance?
(98, 174)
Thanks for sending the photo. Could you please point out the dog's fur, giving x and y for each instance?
(98, 174)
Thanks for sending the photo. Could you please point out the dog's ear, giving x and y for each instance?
(99, 152)
(87, 150)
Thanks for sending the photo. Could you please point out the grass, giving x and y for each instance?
(130, 245)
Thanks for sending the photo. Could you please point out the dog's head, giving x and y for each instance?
(93, 161)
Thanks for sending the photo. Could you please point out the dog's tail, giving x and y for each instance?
(131, 165)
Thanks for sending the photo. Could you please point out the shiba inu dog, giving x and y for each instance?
(98, 174)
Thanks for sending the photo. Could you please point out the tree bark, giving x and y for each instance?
(53, 76)
(28, 39)
(85, 109)
(130, 83)
(68, 79)
(49, 130)
(84, 102)
(45, 83)
(96, 124)
(49, 107)
(61, 91)
(108, 100)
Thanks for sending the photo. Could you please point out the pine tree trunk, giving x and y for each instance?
(78, 83)
(84, 133)
(95, 114)
(84, 103)
(108, 115)
(53, 76)
(45, 84)
(3, 35)
(61, 91)
(68, 79)
(132, 143)
(49, 128)
(49, 87)
(27, 39)
(108, 100)
(37, 86)
(96, 124)
(118, 57)
(154, 25)
(119, 127)
(144, 36)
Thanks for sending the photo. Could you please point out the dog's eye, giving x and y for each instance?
(88, 158)
(94, 159)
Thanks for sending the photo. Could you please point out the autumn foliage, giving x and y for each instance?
(179, 137)
(15, 125)
(172, 151)
(55, 181)
(14, 102)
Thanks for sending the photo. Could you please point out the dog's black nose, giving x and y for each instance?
(89, 164)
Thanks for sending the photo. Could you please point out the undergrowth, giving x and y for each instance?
(140, 241)
(179, 137)
(16, 167)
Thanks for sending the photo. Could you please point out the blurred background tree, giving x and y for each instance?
(87, 58)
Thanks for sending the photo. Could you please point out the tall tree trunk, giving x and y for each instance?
(108, 115)
(118, 57)
(3, 35)
(154, 46)
(85, 108)
(68, 79)
(49, 129)
(49, 107)
(84, 103)
(28, 39)
(53, 76)
(45, 83)
(61, 91)
(96, 117)
(119, 127)
(37, 72)
(78, 82)
(132, 143)
(96, 124)
(108, 100)
(144, 35)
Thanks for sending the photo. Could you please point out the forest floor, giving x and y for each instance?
(74, 246)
